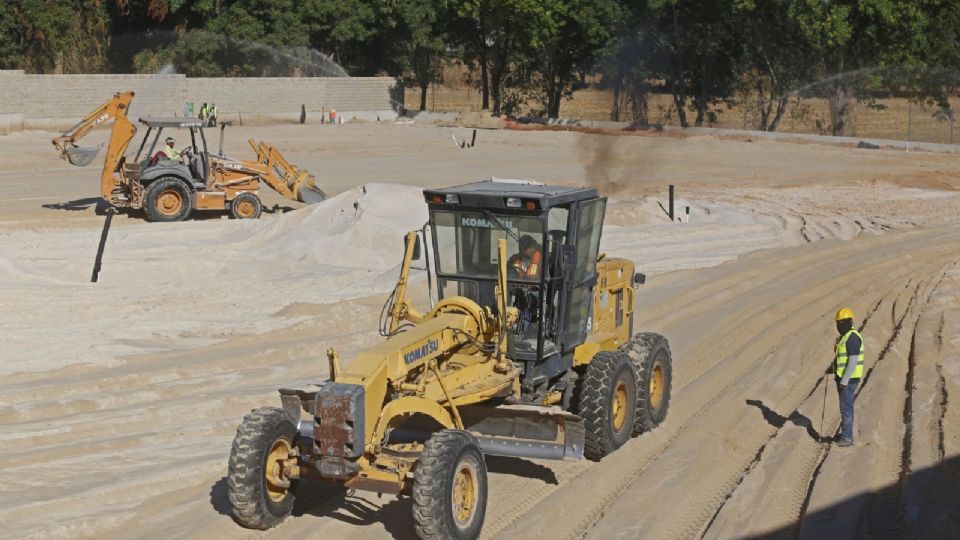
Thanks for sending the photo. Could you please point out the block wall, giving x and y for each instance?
(70, 97)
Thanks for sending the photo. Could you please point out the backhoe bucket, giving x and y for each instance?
(525, 432)
(80, 156)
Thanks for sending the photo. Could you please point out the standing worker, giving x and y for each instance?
(213, 115)
(847, 370)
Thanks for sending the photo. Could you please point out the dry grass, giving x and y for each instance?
(896, 119)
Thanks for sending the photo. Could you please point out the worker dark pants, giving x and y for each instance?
(846, 408)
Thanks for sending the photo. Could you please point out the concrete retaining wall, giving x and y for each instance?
(772, 135)
(58, 101)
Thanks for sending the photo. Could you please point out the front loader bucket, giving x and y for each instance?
(525, 431)
(80, 156)
(306, 190)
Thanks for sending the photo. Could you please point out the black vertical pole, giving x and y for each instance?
(103, 242)
(473, 141)
(671, 202)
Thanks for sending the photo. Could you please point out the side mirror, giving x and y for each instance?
(639, 278)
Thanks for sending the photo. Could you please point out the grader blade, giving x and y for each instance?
(525, 431)
(80, 156)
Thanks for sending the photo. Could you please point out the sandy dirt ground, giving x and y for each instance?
(118, 400)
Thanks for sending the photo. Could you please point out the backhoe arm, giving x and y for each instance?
(113, 109)
(122, 133)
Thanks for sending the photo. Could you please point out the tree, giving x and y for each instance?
(492, 34)
(626, 62)
(59, 37)
(562, 37)
(776, 59)
(851, 36)
(12, 39)
(698, 44)
(425, 23)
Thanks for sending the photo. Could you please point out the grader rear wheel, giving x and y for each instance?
(259, 492)
(650, 355)
(607, 403)
(450, 487)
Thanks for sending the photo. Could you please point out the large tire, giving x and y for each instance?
(650, 355)
(168, 198)
(450, 487)
(264, 436)
(607, 403)
(246, 206)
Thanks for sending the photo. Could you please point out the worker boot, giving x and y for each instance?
(843, 443)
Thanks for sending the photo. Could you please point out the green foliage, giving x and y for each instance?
(12, 39)
(705, 53)
(564, 37)
(424, 35)
(56, 36)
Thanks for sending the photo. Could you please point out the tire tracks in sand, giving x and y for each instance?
(679, 475)
(739, 331)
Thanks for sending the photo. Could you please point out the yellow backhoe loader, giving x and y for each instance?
(170, 189)
(531, 356)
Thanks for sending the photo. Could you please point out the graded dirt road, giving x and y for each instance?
(118, 400)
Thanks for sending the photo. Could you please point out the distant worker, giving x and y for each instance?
(169, 151)
(526, 264)
(213, 115)
(204, 112)
(848, 371)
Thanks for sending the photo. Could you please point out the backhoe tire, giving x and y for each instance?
(246, 206)
(265, 436)
(650, 355)
(168, 198)
(450, 487)
(607, 404)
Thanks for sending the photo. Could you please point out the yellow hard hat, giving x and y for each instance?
(844, 313)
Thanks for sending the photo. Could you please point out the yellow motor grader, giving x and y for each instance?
(169, 190)
(531, 356)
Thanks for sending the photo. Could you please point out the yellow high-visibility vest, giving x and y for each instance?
(842, 358)
(172, 153)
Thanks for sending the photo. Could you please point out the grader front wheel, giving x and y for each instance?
(450, 487)
(259, 492)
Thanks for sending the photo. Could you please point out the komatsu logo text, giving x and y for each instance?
(427, 348)
(483, 223)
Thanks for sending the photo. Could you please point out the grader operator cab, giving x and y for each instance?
(169, 190)
(528, 352)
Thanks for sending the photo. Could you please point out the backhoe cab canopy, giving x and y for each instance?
(468, 221)
(156, 125)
